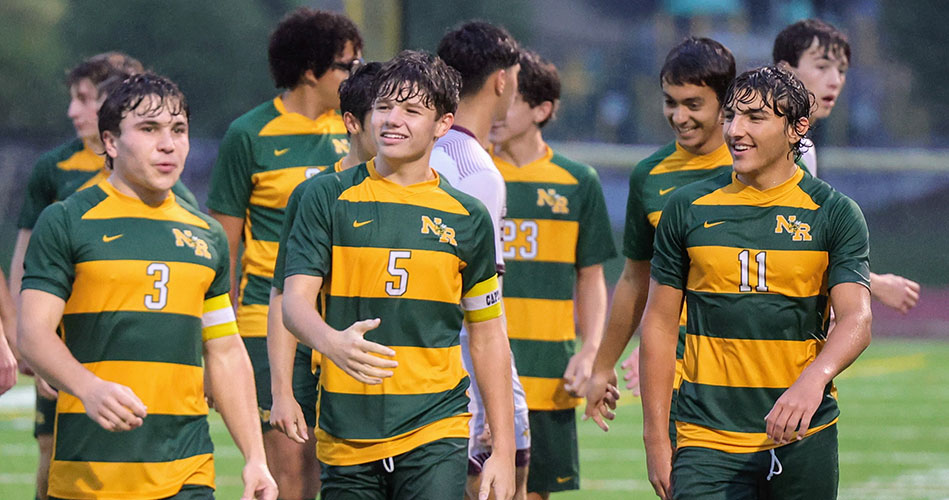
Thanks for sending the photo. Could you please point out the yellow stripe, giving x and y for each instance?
(677, 382)
(421, 370)
(552, 241)
(335, 451)
(118, 205)
(485, 287)
(272, 188)
(539, 319)
(123, 285)
(481, 315)
(259, 256)
(218, 331)
(222, 301)
(729, 441)
(540, 171)
(83, 160)
(150, 381)
(296, 124)
(682, 160)
(432, 275)
(95, 179)
(252, 320)
(547, 394)
(654, 217)
(794, 273)
(746, 363)
(787, 194)
(129, 480)
(426, 194)
(316, 359)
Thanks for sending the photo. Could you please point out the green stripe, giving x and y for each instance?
(558, 282)
(405, 322)
(257, 290)
(161, 438)
(134, 336)
(755, 316)
(739, 409)
(753, 227)
(265, 222)
(522, 201)
(141, 239)
(395, 225)
(356, 416)
(535, 358)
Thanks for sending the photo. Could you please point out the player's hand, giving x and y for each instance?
(659, 467)
(114, 406)
(8, 368)
(44, 389)
(497, 476)
(631, 371)
(354, 354)
(287, 417)
(485, 439)
(791, 415)
(258, 483)
(577, 374)
(601, 398)
(895, 291)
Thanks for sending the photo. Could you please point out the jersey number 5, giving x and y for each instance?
(396, 287)
(157, 299)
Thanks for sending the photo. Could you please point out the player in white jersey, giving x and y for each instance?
(486, 56)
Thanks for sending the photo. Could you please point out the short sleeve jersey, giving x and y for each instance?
(143, 287)
(755, 268)
(408, 255)
(264, 155)
(556, 223)
(61, 172)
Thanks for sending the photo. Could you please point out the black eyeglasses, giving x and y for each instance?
(349, 67)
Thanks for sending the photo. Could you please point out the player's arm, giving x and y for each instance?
(591, 314)
(16, 264)
(657, 373)
(233, 227)
(285, 414)
(347, 349)
(113, 406)
(8, 354)
(791, 415)
(894, 291)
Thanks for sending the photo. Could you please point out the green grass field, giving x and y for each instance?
(894, 442)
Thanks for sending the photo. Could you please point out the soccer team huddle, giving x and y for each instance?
(416, 266)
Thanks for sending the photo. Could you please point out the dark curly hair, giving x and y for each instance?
(134, 94)
(779, 90)
(476, 49)
(355, 93)
(104, 70)
(795, 39)
(308, 39)
(699, 61)
(413, 74)
(538, 82)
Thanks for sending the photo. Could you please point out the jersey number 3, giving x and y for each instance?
(157, 299)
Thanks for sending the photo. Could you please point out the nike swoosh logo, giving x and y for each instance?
(106, 239)
(562, 480)
(713, 224)
(361, 224)
(663, 192)
(280, 152)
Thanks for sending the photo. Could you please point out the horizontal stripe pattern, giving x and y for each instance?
(539, 319)
(118, 480)
(746, 363)
(731, 442)
(272, 188)
(150, 381)
(138, 336)
(717, 269)
(431, 275)
(259, 257)
(545, 394)
(406, 322)
(333, 451)
(550, 280)
(542, 359)
(421, 371)
(765, 316)
(161, 438)
(218, 319)
(252, 320)
(548, 240)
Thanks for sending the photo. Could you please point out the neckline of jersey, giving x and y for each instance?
(543, 160)
(110, 190)
(419, 187)
(773, 192)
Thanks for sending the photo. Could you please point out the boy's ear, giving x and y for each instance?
(353, 125)
(443, 124)
(108, 142)
(543, 111)
(500, 81)
(798, 129)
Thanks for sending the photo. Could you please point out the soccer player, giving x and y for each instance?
(294, 378)
(264, 155)
(395, 250)
(694, 78)
(136, 283)
(486, 57)
(556, 236)
(819, 55)
(756, 255)
(73, 166)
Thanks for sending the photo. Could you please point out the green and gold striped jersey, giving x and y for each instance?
(264, 155)
(408, 255)
(61, 172)
(143, 287)
(556, 223)
(756, 268)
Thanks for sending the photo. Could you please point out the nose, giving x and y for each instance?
(166, 142)
(73, 111)
(836, 78)
(679, 115)
(734, 128)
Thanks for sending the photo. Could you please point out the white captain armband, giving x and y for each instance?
(218, 319)
(483, 301)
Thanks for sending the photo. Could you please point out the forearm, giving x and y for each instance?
(8, 316)
(233, 227)
(16, 264)
(301, 318)
(657, 364)
(591, 306)
(629, 301)
(45, 351)
(232, 382)
(491, 357)
(281, 346)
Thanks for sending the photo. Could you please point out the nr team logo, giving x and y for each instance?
(341, 146)
(187, 239)
(800, 230)
(556, 202)
(435, 225)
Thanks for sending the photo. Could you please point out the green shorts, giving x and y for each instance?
(257, 351)
(803, 469)
(45, 417)
(555, 463)
(187, 492)
(305, 383)
(432, 471)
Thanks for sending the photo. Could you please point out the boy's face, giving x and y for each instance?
(328, 84)
(150, 152)
(694, 113)
(406, 130)
(521, 118)
(823, 73)
(83, 109)
(359, 133)
(756, 137)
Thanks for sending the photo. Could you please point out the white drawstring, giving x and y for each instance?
(776, 468)
(389, 465)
